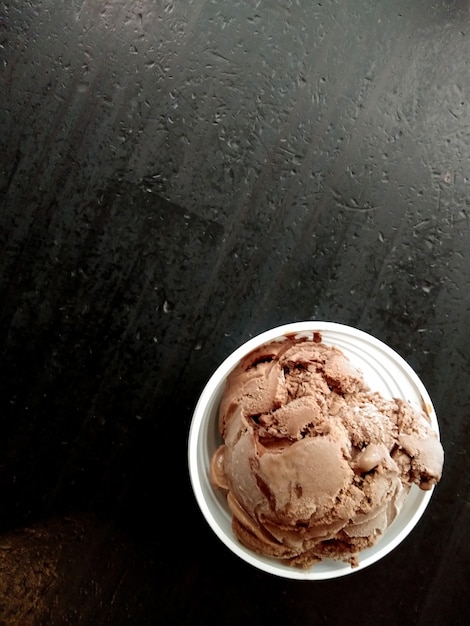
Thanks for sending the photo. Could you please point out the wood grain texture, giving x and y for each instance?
(177, 177)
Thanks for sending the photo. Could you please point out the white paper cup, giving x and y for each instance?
(384, 370)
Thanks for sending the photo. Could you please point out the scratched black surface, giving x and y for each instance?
(177, 177)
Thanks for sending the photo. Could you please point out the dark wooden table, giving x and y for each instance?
(177, 177)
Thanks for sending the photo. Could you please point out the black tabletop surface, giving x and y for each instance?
(176, 178)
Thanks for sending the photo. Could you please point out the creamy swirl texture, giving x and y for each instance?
(313, 462)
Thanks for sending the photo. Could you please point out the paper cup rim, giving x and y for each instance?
(212, 504)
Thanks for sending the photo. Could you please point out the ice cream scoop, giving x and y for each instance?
(314, 463)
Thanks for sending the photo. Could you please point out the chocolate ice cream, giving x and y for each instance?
(314, 463)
